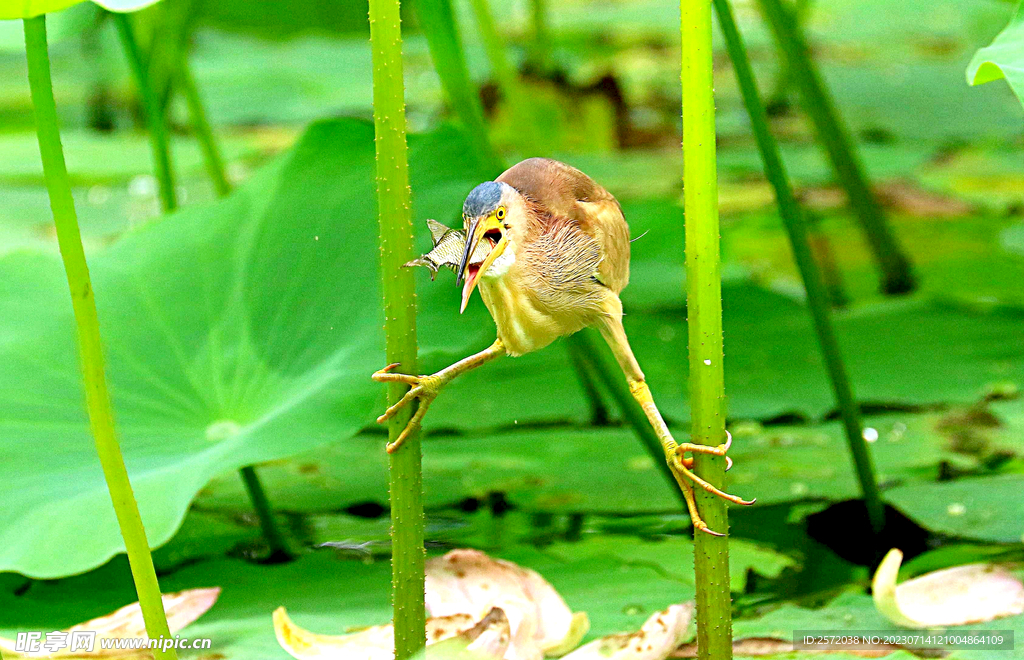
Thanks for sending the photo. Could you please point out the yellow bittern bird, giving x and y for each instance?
(549, 250)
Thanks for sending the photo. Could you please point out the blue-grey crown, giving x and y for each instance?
(482, 199)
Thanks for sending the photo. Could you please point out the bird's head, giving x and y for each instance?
(490, 212)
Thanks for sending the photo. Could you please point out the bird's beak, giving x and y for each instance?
(478, 228)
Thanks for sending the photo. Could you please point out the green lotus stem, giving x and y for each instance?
(817, 299)
(97, 398)
(505, 74)
(540, 48)
(598, 359)
(494, 46)
(704, 311)
(396, 247)
(276, 540)
(784, 77)
(586, 371)
(440, 27)
(897, 273)
(201, 125)
(155, 119)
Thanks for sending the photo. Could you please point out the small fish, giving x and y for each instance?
(449, 244)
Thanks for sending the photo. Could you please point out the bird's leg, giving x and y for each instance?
(426, 388)
(613, 333)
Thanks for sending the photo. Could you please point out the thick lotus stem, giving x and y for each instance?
(704, 310)
(396, 248)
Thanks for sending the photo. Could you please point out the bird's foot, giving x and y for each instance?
(683, 466)
(424, 388)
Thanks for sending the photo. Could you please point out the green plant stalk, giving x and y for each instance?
(438, 22)
(784, 78)
(201, 125)
(817, 299)
(505, 74)
(97, 398)
(155, 119)
(585, 372)
(704, 314)
(399, 291)
(540, 48)
(173, 23)
(897, 273)
(597, 357)
(276, 540)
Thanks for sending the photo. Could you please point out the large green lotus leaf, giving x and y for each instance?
(11, 9)
(673, 556)
(1003, 58)
(986, 508)
(606, 470)
(235, 333)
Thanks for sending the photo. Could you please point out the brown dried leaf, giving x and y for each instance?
(951, 597)
(182, 608)
(470, 582)
(656, 640)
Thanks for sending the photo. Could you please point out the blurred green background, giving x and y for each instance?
(242, 331)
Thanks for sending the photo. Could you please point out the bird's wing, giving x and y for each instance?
(567, 193)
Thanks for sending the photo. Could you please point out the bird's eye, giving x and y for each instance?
(500, 213)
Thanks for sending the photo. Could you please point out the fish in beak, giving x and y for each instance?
(484, 228)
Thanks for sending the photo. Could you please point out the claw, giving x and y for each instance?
(691, 505)
(678, 464)
(384, 376)
(688, 462)
(413, 424)
(390, 412)
(421, 387)
(385, 370)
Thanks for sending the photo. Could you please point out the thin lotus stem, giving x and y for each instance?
(201, 125)
(279, 551)
(399, 292)
(506, 76)
(704, 311)
(154, 115)
(599, 360)
(824, 256)
(540, 48)
(585, 372)
(897, 273)
(784, 77)
(438, 22)
(817, 299)
(97, 398)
